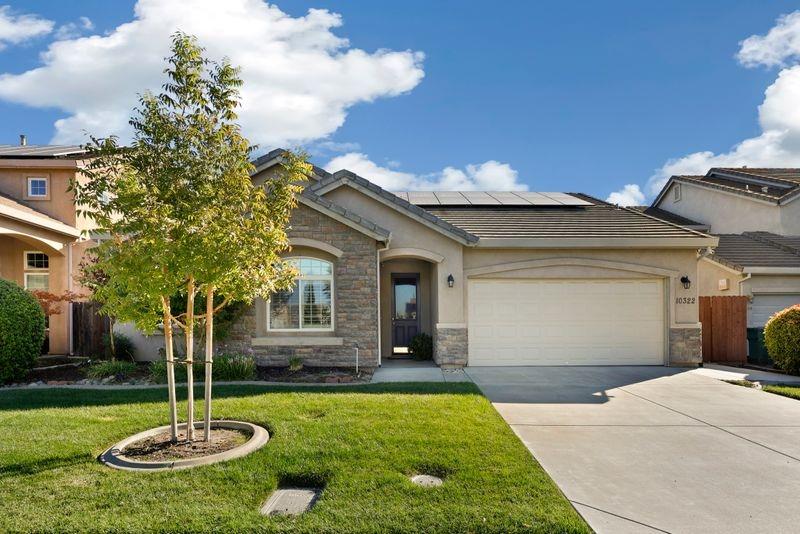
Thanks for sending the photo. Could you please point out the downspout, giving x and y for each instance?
(378, 277)
(69, 304)
(743, 280)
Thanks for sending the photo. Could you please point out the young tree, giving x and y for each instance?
(182, 212)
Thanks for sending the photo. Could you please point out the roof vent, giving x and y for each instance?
(764, 189)
(747, 187)
(23, 140)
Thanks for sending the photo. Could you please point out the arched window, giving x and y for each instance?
(307, 306)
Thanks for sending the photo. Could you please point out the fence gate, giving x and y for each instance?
(724, 322)
(88, 329)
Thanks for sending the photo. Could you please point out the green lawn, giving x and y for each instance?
(786, 391)
(359, 443)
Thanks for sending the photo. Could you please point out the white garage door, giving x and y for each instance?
(566, 322)
(762, 307)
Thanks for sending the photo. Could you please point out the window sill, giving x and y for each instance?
(297, 341)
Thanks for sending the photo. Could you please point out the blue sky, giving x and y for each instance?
(571, 96)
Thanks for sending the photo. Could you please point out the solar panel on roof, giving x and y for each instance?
(423, 197)
(507, 198)
(567, 199)
(538, 199)
(451, 198)
(480, 198)
(403, 195)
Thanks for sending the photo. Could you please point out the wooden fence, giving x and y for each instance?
(88, 329)
(724, 322)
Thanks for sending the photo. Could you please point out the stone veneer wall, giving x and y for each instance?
(685, 346)
(450, 346)
(355, 293)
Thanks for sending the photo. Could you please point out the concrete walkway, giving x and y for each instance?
(655, 449)
(414, 371)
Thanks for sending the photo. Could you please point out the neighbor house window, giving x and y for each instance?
(36, 266)
(676, 192)
(308, 305)
(37, 187)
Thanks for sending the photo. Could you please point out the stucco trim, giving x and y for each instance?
(772, 270)
(41, 221)
(415, 253)
(594, 243)
(717, 263)
(751, 195)
(313, 243)
(582, 262)
(296, 341)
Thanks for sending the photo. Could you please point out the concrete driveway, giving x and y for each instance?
(654, 449)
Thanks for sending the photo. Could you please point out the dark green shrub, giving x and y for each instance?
(226, 367)
(421, 347)
(114, 368)
(782, 337)
(124, 348)
(21, 331)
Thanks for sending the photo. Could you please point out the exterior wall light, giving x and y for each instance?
(450, 280)
(686, 282)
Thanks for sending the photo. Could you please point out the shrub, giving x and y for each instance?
(782, 337)
(113, 368)
(226, 367)
(124, 348)
(21, 331)
(295, 363)
(421, 347)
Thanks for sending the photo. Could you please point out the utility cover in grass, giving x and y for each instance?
(290, 501)
(426, 481)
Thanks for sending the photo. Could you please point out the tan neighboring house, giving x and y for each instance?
(40, 234)
(496, 278)
(755, 213)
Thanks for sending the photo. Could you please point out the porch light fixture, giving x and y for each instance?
(450, 280)
(686, 282)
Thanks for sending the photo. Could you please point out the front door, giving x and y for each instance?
(405, 311)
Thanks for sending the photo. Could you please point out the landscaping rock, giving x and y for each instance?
(331, 379)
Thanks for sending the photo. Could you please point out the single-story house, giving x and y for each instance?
(496, 278)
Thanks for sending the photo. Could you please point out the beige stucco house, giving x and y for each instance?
(40, 234)
(755, 213)
(496, 278)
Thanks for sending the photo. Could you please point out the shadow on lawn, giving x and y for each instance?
(31, 399)
(45, 464)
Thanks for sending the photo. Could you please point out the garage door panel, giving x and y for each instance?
(763, 306)
(566, 322)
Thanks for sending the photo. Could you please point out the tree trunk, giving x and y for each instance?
(189, 355)
(111, 340)
(209, 360)
(168, 352)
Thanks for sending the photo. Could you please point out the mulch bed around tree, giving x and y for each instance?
(314, 375)
(158, 448)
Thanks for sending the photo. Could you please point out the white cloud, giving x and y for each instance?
(73, 30)
(18, 28)
(630, 195)
(300, 78)
(778, 145)
(488, 176)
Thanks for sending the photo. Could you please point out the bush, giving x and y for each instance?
(295, 363)
(124, 348)
(113, 368)
(421, 347)
(21, 331)
(227, 367)
(782, 337)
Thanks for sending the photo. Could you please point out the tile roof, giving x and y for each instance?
(345, 176)
(757, 249)
(599, 220)
(41, 151)
(354, 218)
(773, 185)
(668, 216)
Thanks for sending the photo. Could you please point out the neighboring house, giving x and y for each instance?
(40, 234)
(755, 212)
(497, 278)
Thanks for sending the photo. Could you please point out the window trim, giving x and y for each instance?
(37, 273)
(29, 179)
(325, 278)
(676, 193)
(26, 267)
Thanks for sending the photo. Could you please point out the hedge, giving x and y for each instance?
(782, 337)
(21, 331)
